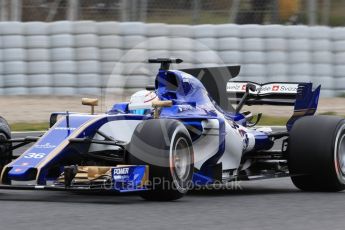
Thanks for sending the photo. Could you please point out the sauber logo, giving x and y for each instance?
(65, 128)
(45, 146)
(264, 89)
(275, 87)
(121, 171)
(233, 86)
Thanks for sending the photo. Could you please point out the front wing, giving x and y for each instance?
(122, 178)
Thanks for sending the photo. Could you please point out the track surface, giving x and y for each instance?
(269, 204)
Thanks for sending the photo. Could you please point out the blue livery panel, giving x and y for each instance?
(47, 147)
(130, 178)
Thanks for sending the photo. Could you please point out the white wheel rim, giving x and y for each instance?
(181, 159)
(339, 154)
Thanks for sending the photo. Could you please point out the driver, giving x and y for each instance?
(141, 102)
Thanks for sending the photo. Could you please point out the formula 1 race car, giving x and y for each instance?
(187, 130)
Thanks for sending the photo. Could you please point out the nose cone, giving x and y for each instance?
(22, 173)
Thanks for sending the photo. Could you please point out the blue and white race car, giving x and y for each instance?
(181, 133)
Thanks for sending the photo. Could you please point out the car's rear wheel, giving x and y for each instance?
(5, 148)
(166, 147)
(317, 153)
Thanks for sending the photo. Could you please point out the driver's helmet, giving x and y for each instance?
(141, 102)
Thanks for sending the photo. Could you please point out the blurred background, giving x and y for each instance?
(310, 12)
(65, 49)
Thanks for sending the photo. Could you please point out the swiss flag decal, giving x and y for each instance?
(275, 87)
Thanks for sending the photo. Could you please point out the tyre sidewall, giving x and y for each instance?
(312, 153)
(152, 144)
(6, 153)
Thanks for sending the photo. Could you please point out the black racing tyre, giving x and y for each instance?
(316, 153)
(166, 147)
(5, 149)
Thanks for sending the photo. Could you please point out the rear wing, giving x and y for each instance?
(300, 95)
(272, 93)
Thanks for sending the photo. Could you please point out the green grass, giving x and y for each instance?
(274, 121)
(328, 113)
(281, 121)
(25, 126)
(341, 95)
(278, 121)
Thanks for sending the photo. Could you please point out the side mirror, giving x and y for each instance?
(160, 104)
(249, 87)
(91, 102)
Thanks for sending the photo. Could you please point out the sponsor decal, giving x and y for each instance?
(250, 142)
(289, 88)
(45, 146)
(65, 128)
(263, 89)
(242, 132)
(34, 155)
(245, 141)
(233, 124)
(245, 138)
(183, 108)
(235, 87)
(275, 87)
(238, 87)
(129, 177)
(120, 173)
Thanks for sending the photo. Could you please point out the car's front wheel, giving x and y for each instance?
(166, 147)
(5, 148)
